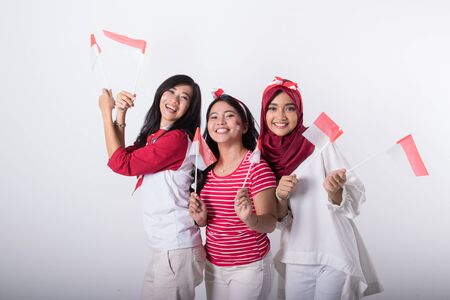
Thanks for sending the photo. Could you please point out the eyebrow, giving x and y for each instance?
(175, 88)
(227, 111)
(276, 104)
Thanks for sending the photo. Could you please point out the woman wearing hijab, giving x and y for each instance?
(322, 255)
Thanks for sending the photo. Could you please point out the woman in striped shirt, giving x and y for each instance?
(237, 203)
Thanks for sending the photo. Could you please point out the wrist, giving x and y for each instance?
(107, 117)
(279, 198)
(252, 221)
(282, 209)
(120, 125)
(121, 114)
(285, 217)
(336, 197)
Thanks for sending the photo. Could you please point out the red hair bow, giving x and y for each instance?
(283, 82)
(217, 93)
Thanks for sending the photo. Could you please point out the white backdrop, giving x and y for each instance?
(68, 226)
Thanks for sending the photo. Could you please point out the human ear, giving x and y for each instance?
(245, 128)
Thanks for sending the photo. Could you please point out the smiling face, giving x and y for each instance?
(174, 103)
(281, 115)
(225, 124)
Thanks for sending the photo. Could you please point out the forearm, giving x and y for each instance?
(111, 137)
(120, 129)
(282, 208)
(261, 223)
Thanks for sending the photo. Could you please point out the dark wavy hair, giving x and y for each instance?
(188, 122)
(248, 139)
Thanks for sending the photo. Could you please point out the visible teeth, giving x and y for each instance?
(171, 108)
(280, 124)
(221, 130)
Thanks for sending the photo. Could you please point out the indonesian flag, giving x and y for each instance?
(254, 158)
(199, 148)
(412, 154)
(95, 51)
(139, 44)
(323, 131)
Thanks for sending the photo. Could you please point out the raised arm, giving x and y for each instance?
(114, 131)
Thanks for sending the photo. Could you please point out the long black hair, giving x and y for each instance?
(188, 122)
(249, 138)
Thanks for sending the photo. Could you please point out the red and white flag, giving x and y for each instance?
(95, 51)
(199, 148)
(254, 158)
(412, 154)
(323, 131)
(135, 43)
(404, 147)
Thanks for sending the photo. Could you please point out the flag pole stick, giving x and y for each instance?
(248, 172)
(102, 71)
(306, 165)
(196, 167)
(141, 60)
(369, 158)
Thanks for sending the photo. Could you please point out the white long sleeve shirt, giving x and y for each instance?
(165, 168)
(322, 233)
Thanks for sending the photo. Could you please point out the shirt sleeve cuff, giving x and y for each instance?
(115, 158)
(285, 221)
(336, 207)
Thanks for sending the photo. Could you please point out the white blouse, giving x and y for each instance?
(323, 233)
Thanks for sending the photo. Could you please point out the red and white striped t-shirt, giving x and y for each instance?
(229, 241)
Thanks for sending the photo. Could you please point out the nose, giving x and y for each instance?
(280, 113)
(173, 98)
(220, 120)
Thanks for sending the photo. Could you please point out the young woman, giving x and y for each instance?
(321, 254)
(238, 217)
(160, 158)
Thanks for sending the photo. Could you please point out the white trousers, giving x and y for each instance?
(314, 282)
(174, 274)
(245, 282)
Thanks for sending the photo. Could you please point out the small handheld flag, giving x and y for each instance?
(203, 155)
(411, 152)
(95, 56)
(323, 131)
(254, 158)
(409, 148)
(135, 43)
(139, 44)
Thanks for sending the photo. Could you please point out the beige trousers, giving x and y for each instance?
(252, 281)
(174, 274)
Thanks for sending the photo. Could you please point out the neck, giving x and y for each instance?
(164, 124)
(230, 153)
